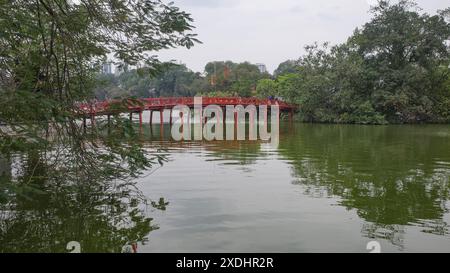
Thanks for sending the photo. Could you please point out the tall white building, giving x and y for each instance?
(262, 67)
(120, 69)
(107, 68)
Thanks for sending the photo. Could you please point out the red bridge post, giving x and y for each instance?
(291, 116)
(84, 123)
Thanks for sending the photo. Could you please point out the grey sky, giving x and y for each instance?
(270, 31)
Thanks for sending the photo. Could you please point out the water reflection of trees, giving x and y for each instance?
(43, 208)
(392, 176)
(230, 152)
(235, 152)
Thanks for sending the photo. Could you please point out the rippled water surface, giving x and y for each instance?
(324, 188)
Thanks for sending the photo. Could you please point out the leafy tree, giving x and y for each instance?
(222, 78)
(177, 80)
(393, 69)
(51, 52)
(237, 79)
(286, 67)
(245, 77)
(403, 50)
(266, 88)
(171, 80)
(218, 74)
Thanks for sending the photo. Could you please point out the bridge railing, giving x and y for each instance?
(169, 102)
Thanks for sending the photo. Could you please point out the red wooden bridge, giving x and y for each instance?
(110, 107)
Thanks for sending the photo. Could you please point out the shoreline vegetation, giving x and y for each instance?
(394, 69)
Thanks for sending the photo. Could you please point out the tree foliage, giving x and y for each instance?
(174, 80)
(393, 69)
(238, 79)
(171, 81)
(286, 67)
(266, 88)
(50, 55)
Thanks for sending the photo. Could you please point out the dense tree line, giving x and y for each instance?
(234, 78)
(219, 79)
(394, 69)
(171, 80)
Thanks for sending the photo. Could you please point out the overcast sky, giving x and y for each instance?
(270, 31)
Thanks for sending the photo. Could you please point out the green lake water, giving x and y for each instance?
(324, 188)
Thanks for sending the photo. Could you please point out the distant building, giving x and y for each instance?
(120, 69)
(262, 68)
(107, 68)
